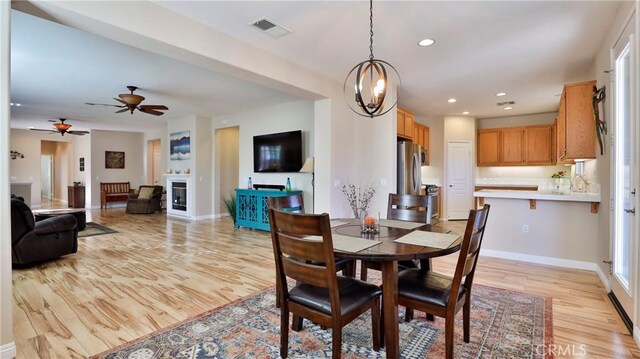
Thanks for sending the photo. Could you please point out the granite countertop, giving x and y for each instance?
(547, 196)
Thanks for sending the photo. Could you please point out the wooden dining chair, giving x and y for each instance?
(319, 295)
(402, 207)
(444, 296)
(295, 204)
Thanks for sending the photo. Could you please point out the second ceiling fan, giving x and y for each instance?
(130, 102)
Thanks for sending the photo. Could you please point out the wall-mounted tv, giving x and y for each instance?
(278, 152)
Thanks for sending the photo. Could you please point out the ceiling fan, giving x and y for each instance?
(62, 128)
(130, 102)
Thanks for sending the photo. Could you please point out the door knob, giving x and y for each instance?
(450, 185)
(632, 210)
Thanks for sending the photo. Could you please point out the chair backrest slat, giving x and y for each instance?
(292, 203)
(406, 207)
(306, 261)
(469, 252)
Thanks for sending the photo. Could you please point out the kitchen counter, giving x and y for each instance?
(533, 196)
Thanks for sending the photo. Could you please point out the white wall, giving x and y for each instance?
(82, 149)
(546, 118)
(563, 230)
(227, 158)
(291, 116)
(131, 143)
(27, 169)
(7, 345)
(459, 128)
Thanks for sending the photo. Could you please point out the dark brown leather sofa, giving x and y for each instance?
(33, 242)
(149, 202)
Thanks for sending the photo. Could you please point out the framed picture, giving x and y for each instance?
(180, 146)
(81, 164)
(113, 159)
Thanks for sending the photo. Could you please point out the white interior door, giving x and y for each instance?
(46, 175)
(624, 184)
(458, 180)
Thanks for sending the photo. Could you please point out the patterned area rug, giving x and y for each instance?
(94, 229)
(504, 324)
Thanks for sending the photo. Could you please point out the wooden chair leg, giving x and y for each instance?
(408, 315)
(448, 336)
(375, 324)
(284, 332)
(466, 312)
(278, 299)
(382, 330)
(363, 271)
(336, 345)
(296, 324)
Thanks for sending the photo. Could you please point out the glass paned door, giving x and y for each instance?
(624, 167)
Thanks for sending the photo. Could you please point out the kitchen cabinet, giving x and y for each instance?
(489, 147)
(405, 125)
(576, 132)
(516, 146)
(539, 145)
(513, 146)
(421, 137)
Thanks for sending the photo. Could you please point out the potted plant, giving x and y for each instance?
(230, 205)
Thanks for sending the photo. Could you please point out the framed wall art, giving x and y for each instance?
(180, 146)
(113, 159)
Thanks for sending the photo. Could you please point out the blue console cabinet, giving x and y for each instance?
(251, 207)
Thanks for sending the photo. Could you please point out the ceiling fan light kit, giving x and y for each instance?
(370, 80)
(62, 128)
(131, 102)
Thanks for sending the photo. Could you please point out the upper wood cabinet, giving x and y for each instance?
(421, 137)
(405, 125)
(539, 145)
(513, 146)
(576, 136)
(516, 146)
(489, 147)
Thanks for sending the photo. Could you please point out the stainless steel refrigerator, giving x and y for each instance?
(409, 176)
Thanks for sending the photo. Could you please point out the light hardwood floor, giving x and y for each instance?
(157, 271)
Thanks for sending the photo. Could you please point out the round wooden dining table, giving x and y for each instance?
(388, 253)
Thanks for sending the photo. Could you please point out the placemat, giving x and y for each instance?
(428, 239)
(348, 244)
(334, 224)
(400, 224)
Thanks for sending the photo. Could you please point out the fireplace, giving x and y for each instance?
(180, 195)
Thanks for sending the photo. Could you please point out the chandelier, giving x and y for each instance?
(370, 81)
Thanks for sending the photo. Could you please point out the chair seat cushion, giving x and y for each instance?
(354, 294)
(426, 286)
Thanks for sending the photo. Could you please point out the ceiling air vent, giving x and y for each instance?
(269, 27)
(506, 103)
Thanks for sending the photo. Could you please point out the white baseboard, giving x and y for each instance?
(8, 351)
(603, 278)
(206, 216)
(636, 334)
(552, 261)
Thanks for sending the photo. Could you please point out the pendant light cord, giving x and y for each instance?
(370, 29)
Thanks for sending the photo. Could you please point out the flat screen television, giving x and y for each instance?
(278, 152)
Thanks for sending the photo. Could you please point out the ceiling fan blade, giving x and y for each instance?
(119, 100)
(78, 133)
(123, 110)
(102, 104)
(150, 111)
(154, 107)
(43, 130)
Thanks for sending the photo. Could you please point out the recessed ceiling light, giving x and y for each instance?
(500, 94)
(465, 113)
(508, 108)
(426, 42)
(15, 104)
(451, 100)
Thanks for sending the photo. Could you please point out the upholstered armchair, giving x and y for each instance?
(147, 199)
(33, 242)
